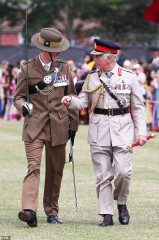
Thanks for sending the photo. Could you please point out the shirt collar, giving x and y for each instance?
(43, 64)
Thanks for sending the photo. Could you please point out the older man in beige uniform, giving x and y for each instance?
(46, 122)
(111, 90)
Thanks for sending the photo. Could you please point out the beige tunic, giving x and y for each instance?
(116, 130)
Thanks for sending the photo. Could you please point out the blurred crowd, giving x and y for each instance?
(8, 81)
(147, 74)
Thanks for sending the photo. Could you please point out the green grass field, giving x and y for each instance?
(143, 200)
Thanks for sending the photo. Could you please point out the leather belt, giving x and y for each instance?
(112, 111)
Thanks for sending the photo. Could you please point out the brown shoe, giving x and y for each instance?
(29, 217)
(107, 221)
(123, 214)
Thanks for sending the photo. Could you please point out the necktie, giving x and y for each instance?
(108, 74)
(46, 67)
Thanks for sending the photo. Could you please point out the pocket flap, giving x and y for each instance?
(94, 119)
(36, 113)
(62, 113)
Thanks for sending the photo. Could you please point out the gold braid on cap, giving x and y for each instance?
(50, 44)
(100, 87)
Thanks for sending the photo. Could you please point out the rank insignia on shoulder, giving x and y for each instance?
(29, 61)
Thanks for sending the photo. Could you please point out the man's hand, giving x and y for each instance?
(142, 140)
(72, 136)
(66, 100)
(27, 109)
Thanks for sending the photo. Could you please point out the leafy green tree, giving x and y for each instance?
(11, 10)
(121, 20)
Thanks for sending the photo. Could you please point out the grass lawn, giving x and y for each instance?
(143, 201)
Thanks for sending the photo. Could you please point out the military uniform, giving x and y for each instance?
(48, 126)
(109, 134)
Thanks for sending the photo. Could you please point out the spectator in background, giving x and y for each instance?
(73, 70)
(120, 58)
(137, 69)
(155, 56)
(127, 64)
(8, 92)
(5, 85)
(14, 114)
(87, 66)
(155, 113)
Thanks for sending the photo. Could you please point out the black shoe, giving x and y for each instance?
(54, 219)
(123, 214)
(28, 216)
(107, 220)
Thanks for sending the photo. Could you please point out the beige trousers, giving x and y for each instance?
(106, 170)
(55, 161)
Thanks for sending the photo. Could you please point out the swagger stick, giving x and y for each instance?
(26, 48)
(73, 171)
(29, 105)
(129, 147)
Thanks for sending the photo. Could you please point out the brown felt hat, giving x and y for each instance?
(50, 40)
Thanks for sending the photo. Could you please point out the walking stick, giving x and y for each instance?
(73, 171)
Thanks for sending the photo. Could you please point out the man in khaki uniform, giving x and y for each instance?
(111, 90)
(46, 122)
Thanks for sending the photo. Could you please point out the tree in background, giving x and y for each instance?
(12, 10)
(121, 20)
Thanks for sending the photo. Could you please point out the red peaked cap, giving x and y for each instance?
(101, 46)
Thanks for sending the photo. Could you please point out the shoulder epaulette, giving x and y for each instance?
(126, 70)
(93, 71)
(29, 61)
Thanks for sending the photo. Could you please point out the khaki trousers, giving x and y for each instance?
(102, 158)
(55, 161)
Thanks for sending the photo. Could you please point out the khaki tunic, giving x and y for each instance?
(46, 107)
(47, 127)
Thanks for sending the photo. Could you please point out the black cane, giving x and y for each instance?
(73, 171)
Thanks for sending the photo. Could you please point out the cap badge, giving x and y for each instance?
(46, 43)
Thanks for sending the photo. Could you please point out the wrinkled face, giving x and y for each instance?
(101, 62)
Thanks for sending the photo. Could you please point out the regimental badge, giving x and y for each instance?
(46, 43)
(47, 79)
(95, 45)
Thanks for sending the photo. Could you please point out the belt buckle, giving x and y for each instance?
(110, 112)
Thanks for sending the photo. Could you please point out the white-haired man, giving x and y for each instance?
(110, 91)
